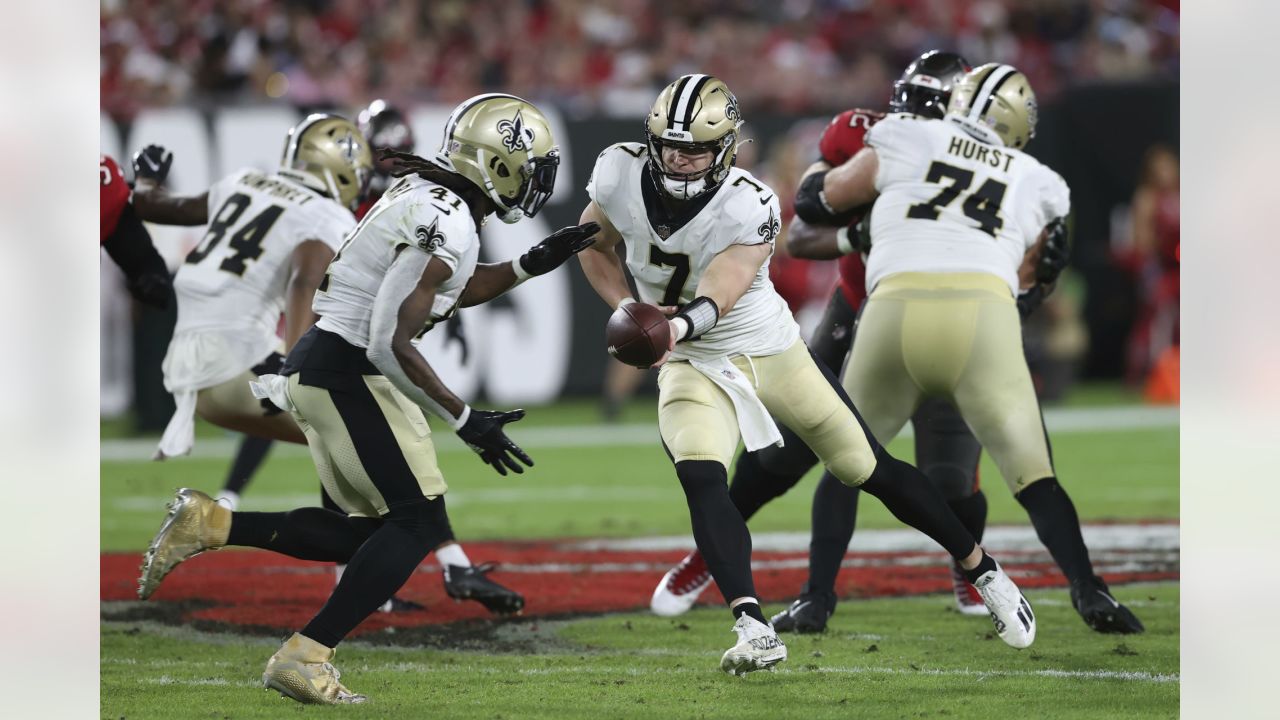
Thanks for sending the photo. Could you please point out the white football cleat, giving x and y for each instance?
(758, 648)
(968, 599)
(681, 586)
(1010, 611)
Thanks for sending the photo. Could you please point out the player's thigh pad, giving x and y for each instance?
(875, 377)
(696, 418)
(375, 440)
(998, 400)
(799, 396)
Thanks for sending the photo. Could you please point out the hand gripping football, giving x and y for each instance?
(638, 334)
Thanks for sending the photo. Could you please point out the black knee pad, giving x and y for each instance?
(955, 482)
(426, 520)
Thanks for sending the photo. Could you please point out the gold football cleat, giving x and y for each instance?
(195, 523)
(301, 670)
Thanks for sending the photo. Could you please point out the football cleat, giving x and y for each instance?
(195, 523)
(1102, 612)
(1010, 611)
(808, 614)
(758, 648)
(472, 583)
(400, 605)
(968, 600)
(301, 670)
(681, 586)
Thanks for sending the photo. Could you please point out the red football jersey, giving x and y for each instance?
(115, 194)
(840, 141)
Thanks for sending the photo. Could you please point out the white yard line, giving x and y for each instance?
(1058, 420)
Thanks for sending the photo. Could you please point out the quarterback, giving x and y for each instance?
(357, 386)
(965, 222)
(698, 234)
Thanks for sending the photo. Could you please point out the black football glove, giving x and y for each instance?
(1055, 255)
(1031, 299)
(558, 247)
(152, 289)
(483, 432)
(152, 163)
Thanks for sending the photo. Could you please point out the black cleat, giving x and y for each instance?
(1100, 611)
(400, 605)
(471, 583)
(808, 614)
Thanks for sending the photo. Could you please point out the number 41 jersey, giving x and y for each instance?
(231, 287)
(953, 198)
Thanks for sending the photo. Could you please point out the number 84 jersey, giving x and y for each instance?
(953, 198)
(231, 287)
(667, 252)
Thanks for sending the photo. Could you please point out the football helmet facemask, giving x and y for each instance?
(925, 86)
(998, 97)
(696, 113)
(328, 154)
(503, 145)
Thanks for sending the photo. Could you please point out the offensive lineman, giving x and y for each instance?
(960, 215)
(698, 234)
(357, 386)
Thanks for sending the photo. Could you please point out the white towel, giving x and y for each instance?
(754, 421)
(274, 388)
(180, 433)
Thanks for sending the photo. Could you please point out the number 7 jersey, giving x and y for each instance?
(231, 287)
(953, 198)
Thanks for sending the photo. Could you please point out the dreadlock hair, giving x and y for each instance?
(407, 163)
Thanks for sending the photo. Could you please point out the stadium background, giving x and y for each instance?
(220, 83)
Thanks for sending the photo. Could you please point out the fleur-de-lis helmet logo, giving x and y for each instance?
(349, 145)
(515, 134)
(429, 236)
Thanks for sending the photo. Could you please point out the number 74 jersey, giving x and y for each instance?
(233, 282)
(953, 198)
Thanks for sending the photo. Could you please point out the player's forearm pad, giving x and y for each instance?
(811, 204)
(702, 314)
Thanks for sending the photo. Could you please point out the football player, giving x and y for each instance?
(964, 223)
(357, 385)
(945, 450)
(698, 233)
(127, 241)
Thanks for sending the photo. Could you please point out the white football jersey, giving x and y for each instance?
(953, 198)
(414, 212)
(231, 287)
(742, 211)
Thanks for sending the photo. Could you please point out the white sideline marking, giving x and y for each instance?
(1058, 420)
(1132, 676)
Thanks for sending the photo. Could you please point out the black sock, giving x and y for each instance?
(834, 513)
(378, 569)
(718, 527)
(1058, 526)
(972, 512)
(915, 501)
(751, 609)
(753, 486)
(985, 565)
(305, 533)
(249, 457)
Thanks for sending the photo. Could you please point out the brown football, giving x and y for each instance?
(638, 334)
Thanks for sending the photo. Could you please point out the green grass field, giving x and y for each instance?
(891, 658)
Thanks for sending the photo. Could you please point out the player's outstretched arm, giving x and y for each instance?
(493, 279)
(812, 242)
(836, 197)
(311, 259)
(728, 277)
(402, 308)
(152, 201)
(600, 262)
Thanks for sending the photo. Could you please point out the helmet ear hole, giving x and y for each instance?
(503, 172)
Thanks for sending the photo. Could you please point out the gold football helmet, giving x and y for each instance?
(329, 154)
(504, 145)
(999, 97)
(696, 113)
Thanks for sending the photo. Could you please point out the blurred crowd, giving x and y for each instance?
(603, 56)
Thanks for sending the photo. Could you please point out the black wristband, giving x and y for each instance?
(702, 314)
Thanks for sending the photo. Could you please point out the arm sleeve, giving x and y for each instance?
(401, 279)
(893, 139)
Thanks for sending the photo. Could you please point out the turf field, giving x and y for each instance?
(181, 656)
